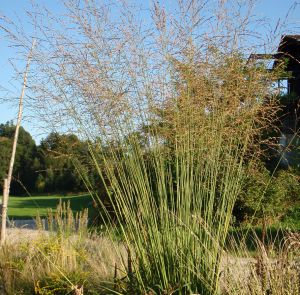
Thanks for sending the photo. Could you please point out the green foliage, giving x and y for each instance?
(267, 195)
(56, 165)
(292, 218)
(26, 161)
(5, 148)
(58, 152)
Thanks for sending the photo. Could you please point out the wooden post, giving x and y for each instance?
(7, 181)
(4, 211)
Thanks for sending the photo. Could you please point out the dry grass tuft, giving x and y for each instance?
(271, 271)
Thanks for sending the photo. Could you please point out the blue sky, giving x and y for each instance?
(14, 9)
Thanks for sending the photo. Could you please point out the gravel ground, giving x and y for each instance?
(23, 234)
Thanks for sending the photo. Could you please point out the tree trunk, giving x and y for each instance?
(7, 181)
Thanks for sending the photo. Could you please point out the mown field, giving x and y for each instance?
(21, 207)
(29, 207)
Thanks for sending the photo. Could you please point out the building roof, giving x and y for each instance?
(288, 41)
(289, 46)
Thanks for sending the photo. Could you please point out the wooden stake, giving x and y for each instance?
(4, 211)
(7, 181)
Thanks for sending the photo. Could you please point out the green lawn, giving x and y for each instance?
(28, 207)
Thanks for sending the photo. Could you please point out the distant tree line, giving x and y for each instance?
(44, 168)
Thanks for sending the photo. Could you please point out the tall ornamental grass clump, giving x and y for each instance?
(171, 111)
(173, 185)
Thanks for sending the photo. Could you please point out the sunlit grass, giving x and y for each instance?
(28, 207)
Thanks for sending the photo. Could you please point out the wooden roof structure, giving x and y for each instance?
(288, 51)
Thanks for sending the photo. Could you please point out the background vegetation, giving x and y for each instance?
(46, 168)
